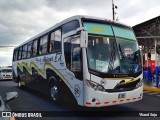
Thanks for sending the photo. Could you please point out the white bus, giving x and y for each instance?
(92, 61)
(5, 73)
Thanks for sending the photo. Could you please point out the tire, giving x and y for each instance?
(54, 93)
(19, 84)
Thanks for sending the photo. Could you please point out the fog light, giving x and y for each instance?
(139, 84)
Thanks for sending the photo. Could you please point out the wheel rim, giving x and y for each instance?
(54, 93)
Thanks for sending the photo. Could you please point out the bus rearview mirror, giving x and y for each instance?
(84, 39)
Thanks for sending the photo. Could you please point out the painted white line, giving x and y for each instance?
(146, 91)
(158, 95)
(153, 93)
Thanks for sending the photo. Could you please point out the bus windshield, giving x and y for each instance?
(114, 52)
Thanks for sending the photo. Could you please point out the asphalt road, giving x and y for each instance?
(28, 100)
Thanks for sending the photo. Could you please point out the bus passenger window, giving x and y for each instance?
(51, 45)
(43, 44)
(70, 26)
(24, 52)
(35, 48)
(29, 52)
(20, 53)
(57, 42)
(15, 55)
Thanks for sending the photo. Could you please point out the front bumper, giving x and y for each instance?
(98, 99)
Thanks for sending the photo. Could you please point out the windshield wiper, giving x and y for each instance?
(112, 57)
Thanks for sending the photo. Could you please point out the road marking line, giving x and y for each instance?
(153, 93)
(158, 95)
(146, 91)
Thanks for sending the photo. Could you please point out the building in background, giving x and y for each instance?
(148, 34)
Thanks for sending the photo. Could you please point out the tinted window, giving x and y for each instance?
(52, 38)
(72, 52)
(76, 55)
(70, 26)
(35, 48)
(55, 41)
(24, 52)
(20, 53)
(67, 52)
(15, 55)
(43, 44)
(29, 52)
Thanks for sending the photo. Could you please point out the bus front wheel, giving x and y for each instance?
(54, 93)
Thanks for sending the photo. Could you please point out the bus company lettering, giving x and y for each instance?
(44, 60)
(48, 59)
(98, 29)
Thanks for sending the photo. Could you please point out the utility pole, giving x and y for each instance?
(113, 12)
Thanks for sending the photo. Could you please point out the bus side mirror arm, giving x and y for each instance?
(80, 29)
(84, 39)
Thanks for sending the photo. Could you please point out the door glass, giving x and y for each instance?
(73, 53)
(76, 55)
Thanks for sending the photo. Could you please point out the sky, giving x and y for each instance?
(23, 19)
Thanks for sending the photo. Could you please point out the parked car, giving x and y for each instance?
(5, 73)
(4, 107)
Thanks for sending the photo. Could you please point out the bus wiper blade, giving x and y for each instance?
(111, 62)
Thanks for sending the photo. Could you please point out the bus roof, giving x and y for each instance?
(77, 17)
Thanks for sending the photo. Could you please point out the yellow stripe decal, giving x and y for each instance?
(43, 73)
(22, 83)
(133, 80)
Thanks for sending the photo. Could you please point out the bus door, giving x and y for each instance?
(73, 60)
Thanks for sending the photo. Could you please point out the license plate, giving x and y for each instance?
(121, 95)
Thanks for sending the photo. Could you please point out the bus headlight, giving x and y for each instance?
(95, 85)
(139, 84)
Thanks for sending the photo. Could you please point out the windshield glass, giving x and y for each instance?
(129, 57)
(6, 70)
(112, 50)
(129, 54)
(99, 52)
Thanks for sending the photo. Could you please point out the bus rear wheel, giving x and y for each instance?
(20, 86)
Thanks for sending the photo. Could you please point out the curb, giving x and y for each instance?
(153, 89)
